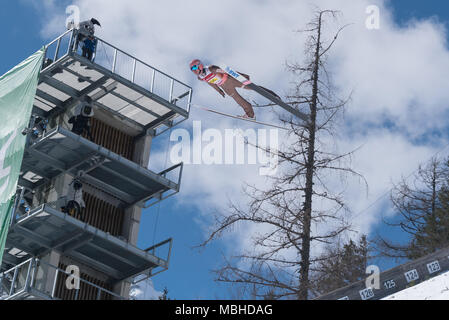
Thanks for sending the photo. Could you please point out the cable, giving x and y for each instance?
(389, 190)
(160, 203)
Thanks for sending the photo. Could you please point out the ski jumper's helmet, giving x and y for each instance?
(196, 65)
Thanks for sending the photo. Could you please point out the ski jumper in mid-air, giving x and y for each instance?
(224, 84)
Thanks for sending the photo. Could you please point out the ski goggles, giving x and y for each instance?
(194, 68)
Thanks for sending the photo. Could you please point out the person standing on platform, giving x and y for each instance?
(81, 123)
(89, 47)
(86, 29)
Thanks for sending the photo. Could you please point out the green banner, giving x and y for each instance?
(17, 92)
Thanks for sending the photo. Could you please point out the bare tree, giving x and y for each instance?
(282, 259)
(418, 203)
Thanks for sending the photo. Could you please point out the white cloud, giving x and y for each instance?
(144, 290)
(384, 157)
(398, 75)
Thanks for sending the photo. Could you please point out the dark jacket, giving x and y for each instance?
(90, 44)
(81, 124)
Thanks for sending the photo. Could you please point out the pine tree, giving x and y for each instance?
(341, 266)
(434, 234)
(423, 207)
(164, 295)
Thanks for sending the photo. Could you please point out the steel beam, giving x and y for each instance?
(8, 258)
(67, 239)
(75, 95)
(27, 184)
(109, 189)
(50, 69)
(121, 116)
(70, 248)
(61, 86)
(137, 184)
(23, 247)
(48, 97)
(115, 94)
(27, 168)
(115, 256)
(52, 161)
(33, 236)
(130, 102)
(157, 122)
(96, 264)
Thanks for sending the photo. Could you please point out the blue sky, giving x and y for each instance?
(406, 10)
(189, 275)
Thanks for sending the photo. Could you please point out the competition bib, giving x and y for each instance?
(213, 78)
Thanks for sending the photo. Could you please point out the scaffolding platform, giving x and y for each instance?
(27, 281)
(46, 229)
(136, 93)
(63, 152)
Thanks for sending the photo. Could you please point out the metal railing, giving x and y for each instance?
(174, 175)
(123, 64)
(16, 281)
(154, 251)
(37, 279)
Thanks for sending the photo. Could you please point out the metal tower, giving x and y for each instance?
(133, 103)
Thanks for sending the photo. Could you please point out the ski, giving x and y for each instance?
(239, 118)
(247, 83)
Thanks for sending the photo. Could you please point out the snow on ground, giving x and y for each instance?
(434, 289)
